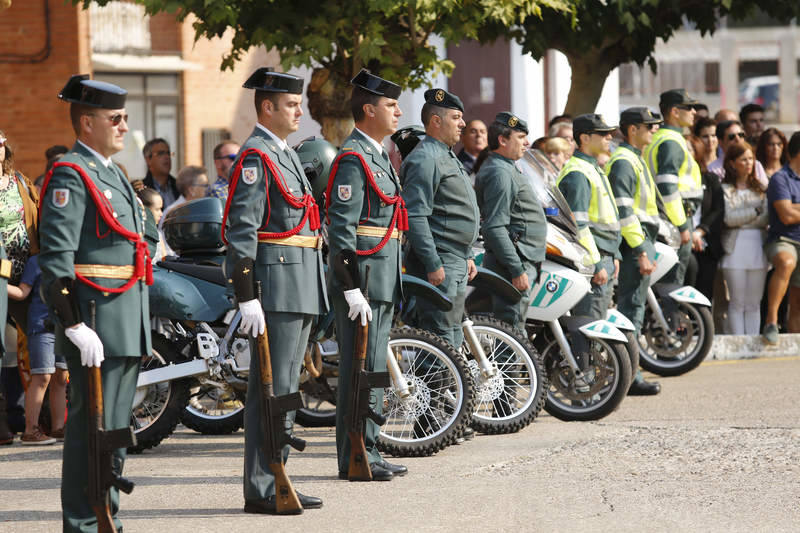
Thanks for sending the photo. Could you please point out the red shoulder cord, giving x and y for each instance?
(142, 264)
(400, 216)
(306, 201)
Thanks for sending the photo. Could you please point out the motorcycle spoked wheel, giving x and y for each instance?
(157, 407)
(513, 398)
(213, 411)
(440, 406)
(608, 375)
(319, 394)
(692, 339)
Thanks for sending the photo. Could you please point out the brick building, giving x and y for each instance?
(176, 89)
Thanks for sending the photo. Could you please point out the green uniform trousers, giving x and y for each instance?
(377, 342)
(447, 324)
(119, 375)
(677, 273)
(513, 314)
(596, 303)
(632, 288)
(288, 337)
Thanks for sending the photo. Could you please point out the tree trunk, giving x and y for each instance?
(589, 73)
(329, 104)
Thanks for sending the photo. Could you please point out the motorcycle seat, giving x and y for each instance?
(212, 274)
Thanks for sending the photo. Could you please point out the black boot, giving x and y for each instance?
(640, 387)
(6, 437)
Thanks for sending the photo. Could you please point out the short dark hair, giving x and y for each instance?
(565, 118)
(76, 111)
(260, 96)
(358, 99)
(702, 123)
(218, 148)
(723, 126)
(147, 195)
(429, 110)
(147, 149)
(496, 130)
(58, 149)
(794, 145)
(748, 109)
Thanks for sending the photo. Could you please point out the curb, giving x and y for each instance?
(728, 347)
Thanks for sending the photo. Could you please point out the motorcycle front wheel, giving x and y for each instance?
(157, 407)
(607, 378)
(514, 396)
(214, 410)
(440, 403)
(681, 349)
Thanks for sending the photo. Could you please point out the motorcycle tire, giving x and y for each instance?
(696, 336)
(157, 408)
(211, 411)
(633, 351)
(513, 398)
(441, 402)
(609, 372)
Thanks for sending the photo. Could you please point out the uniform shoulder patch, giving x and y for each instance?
(60, 198)
(249, 175)
(345, 192)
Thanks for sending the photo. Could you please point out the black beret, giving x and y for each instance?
(376, 85)
(442, 98)
(265, 79)
(81, 90)
(507, 118)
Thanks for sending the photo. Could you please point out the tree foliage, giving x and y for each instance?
(600, 35)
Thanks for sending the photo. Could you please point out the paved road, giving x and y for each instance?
(718, 450)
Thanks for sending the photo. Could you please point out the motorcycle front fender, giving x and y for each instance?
(603, 329)
(689, 295)
(414, 286)
(619, 320)
(492, 283)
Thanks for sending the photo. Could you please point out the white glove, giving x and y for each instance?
(87, 342)
(252, 318)
(358, 306)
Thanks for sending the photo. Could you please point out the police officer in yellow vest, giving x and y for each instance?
(635, 193)
(676, 172)
(588, 193)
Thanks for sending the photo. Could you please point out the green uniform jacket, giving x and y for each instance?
(670, 158)
(624, 183)
(292, 278)
(353, 202)
(578, 192)
(442, 209)
(71, 232)
(514, 227)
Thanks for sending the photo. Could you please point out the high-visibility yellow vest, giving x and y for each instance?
(644, 197)
(690, 182)
(602, 212)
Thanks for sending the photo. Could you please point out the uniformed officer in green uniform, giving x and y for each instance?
(514, 227)
(588, 193)
(443, 214)
(635, 193)
(91, 249)
(676, 172)
(267, 202)
(365, 218)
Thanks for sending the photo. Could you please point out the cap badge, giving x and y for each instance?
(512, 121)
(439, 96)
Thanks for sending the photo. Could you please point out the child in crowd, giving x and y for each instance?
(44, 363)
(153, 201)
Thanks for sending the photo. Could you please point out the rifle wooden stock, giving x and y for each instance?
(358, 466)
(101, 444)
(274, 437)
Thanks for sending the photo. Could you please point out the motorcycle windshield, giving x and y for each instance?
(542, 175)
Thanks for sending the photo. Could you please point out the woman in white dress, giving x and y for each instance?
(744, 264)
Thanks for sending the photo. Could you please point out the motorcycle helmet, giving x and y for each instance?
(407, 138)
(316, 155)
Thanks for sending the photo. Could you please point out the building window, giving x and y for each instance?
(153, 111)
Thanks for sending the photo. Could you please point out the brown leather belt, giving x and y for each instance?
(5, 268)
(376, 231)
(106, 271)
(300, 241)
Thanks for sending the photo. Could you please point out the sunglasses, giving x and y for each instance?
(684, 107)
(732, 136)
(115, 119)
(229, 157)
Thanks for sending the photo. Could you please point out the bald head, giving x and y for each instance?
(724, 115)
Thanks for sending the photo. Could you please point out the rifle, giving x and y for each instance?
(102, 443)
(274, 436)
(361, 383)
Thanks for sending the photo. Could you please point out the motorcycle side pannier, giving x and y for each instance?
(195, 226)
